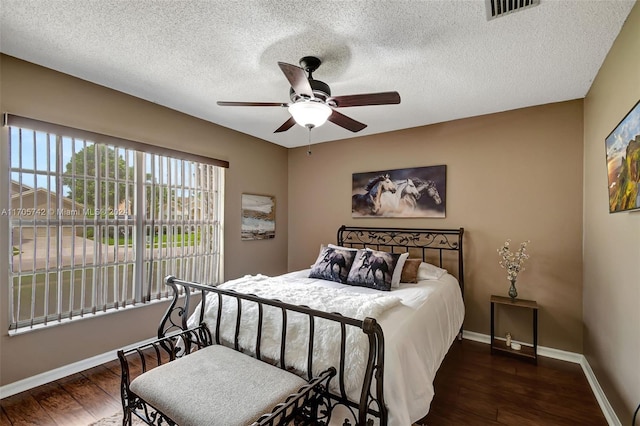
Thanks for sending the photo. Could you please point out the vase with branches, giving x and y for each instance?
(513, 262)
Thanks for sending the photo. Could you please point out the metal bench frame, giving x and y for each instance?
(312, 404)
(301, 406)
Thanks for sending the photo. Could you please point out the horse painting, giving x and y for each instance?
(369, 202)
(413, 192)
(405, 200)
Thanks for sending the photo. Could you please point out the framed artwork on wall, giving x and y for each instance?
(258, 217)
(623, 163)
(412, 192)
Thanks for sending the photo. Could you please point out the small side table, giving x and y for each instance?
(528, 352)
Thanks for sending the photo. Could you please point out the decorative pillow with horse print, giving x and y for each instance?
(333, 264)
(373, 269)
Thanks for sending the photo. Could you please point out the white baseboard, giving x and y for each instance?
(607, 409)
(64, 371)
(603, 402)
(476, 337)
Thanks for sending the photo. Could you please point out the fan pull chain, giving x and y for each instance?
(309, 148)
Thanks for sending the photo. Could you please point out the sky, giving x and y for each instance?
(626, 131)
(35, 154)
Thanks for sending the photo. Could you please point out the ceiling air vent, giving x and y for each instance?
(498, 8)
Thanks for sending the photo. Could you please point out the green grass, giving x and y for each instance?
(177, 240)
(158, 240)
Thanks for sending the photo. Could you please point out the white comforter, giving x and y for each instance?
(327, 335)
(420, 321)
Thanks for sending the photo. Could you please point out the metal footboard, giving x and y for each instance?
(370, 404)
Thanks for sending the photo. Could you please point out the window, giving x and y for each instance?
(96, 222)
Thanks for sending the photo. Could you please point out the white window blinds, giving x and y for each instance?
(97, 222)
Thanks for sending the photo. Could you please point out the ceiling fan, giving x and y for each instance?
(311, 101)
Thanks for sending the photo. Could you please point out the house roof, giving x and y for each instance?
(44, 196)
(17, 187)
(445, 58)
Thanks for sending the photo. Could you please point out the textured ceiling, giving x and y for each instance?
(443, 57)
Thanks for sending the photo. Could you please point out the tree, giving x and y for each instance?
(82, 175)
(157, 196)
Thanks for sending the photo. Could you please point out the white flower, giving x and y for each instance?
(513, 262)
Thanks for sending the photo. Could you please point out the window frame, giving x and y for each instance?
(143, 286)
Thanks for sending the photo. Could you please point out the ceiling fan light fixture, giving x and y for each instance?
(310, 113)
(311, 101)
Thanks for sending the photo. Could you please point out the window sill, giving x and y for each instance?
(55, 323)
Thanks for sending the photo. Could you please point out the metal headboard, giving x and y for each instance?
(429, 244)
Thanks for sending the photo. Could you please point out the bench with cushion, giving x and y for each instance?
(195, 376)
(200, 383)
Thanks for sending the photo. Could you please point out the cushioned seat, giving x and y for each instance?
(216, 386)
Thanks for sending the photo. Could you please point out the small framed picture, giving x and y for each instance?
(258, 217)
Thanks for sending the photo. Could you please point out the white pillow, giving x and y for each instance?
(322, 247)
(342, 248)
(397, 273)
(427, 271)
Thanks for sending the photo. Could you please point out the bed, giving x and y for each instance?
(389, 377)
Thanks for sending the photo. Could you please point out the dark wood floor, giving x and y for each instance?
(475, 388)
(472, 388)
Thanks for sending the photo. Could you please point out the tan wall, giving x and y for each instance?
(612, 241)
(256, 166)
(516, 174)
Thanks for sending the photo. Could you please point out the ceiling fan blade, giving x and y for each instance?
(382, 98)
(225, 103)
(286, 125)
(297, 78)
(346, 122)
